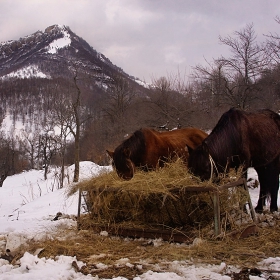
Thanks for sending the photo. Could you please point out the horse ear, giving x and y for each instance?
(127, 152)
(110, 153)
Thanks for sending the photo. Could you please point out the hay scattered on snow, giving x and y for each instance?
(93, 249)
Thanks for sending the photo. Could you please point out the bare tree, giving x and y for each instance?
(271, 80)
(76, 105)
(61, 117)
(233, 80)
(211, 82)
(7, 158)
(29, 144)
(118, 101)
(47, 146)
(273, 46)
(171, 102)
(243, 68)
(77, 115)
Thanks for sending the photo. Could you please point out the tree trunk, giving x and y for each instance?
(77, 155)
(2, 179)
(76, 108)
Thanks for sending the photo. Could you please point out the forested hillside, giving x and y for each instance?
(83, 104)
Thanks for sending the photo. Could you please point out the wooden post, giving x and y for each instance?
(216, 202)
(252, 210)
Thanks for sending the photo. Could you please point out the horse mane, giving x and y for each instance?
(136, 145)
(225, 138)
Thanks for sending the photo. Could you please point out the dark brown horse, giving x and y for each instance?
(148, 149)
(243, 139)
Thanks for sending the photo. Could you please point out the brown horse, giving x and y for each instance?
(148, 149)
(243, 139)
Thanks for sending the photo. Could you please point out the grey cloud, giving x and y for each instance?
(144, 37)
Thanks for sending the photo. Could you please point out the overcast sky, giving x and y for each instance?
(146, 38)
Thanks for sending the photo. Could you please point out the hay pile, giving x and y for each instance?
(160, 199)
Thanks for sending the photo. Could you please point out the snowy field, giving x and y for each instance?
(28, 204)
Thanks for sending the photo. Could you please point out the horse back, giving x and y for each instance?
(163, 145)
(193, 136)
(177, 138)
(263, 133)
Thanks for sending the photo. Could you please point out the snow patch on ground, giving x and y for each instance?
(28, 205)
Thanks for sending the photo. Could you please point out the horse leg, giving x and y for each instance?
(263, 189)
(274, 169)
(269, 185)
(274, 180)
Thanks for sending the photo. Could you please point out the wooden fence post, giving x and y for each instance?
(216, 202)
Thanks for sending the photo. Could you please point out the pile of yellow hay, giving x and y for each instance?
(159, 198)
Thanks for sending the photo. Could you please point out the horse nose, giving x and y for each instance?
(125, 176)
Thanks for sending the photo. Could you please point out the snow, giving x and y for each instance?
(141, 83)
(33, 267)
(28, 204)
(61, 43)
(27, 72)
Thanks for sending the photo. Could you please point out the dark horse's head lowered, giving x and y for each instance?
(199, 163)
(148, 149)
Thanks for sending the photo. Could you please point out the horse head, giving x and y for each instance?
(122, 162)
(199, 162)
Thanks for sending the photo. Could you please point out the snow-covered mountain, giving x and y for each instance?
(56, 52)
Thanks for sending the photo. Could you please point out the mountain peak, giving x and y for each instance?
(56, 52)
(56, 27)
(58, 43)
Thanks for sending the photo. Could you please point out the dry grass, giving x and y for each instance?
(92, 249)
